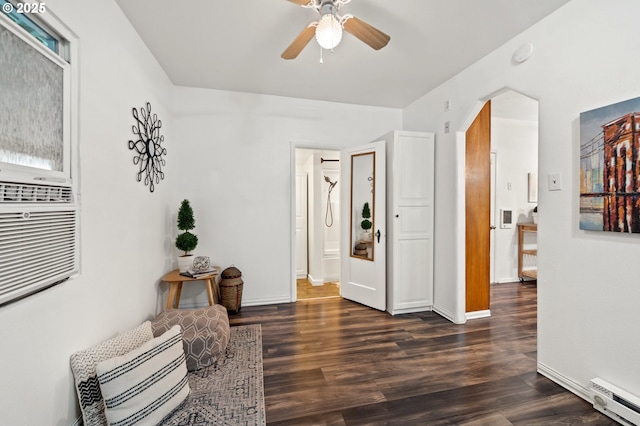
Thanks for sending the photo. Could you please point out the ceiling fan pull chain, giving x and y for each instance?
(321, 61)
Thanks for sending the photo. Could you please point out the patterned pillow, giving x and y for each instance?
(205, 332)
(146, 384)
(83, 366)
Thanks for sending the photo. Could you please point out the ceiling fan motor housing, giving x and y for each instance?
(327, 6)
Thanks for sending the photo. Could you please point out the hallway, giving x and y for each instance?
(308, 291)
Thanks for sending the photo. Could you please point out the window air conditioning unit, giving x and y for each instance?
(38, 237)
(615, 403)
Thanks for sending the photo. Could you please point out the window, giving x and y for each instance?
(35, 29)
(39, 244)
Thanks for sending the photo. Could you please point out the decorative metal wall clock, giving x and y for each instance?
(148, 147)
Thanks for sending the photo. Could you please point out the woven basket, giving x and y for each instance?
(231, 289)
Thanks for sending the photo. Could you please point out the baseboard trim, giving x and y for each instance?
(78, 422)
(245, 302)
(567, 383)
(507, 280)
(478, 314)
(445, 314)
(410, 310)
(315, 281)
(266, 301)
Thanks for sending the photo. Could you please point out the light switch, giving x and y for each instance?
(555, 182)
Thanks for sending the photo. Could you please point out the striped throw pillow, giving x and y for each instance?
(146, 384)
(83, 365)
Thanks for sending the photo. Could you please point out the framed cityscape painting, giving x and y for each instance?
(610, 168)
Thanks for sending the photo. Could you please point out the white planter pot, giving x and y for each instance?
(535, 217)
(185, 262)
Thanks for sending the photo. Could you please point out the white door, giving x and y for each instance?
(301, 225)
(410, 226)
(363, 257)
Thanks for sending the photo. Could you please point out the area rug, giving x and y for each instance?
(231, 391)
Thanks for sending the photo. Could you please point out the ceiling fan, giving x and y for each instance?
(328, 29)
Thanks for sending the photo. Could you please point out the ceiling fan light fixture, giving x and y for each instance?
(329, 31)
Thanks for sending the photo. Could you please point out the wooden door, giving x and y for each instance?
(478, 205)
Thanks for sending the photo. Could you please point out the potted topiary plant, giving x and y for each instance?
(186, 241)
(366, 223)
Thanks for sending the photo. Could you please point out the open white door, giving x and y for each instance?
(363, 252)
(301, 225)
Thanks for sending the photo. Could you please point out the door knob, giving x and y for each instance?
(378, 235)
(492, 227)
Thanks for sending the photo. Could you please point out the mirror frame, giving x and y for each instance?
(353, 241)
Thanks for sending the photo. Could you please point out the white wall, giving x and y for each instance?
(314, 212)
(124, 228)
(583, 59)
(237, 154)
(330, 234)
(515, 143)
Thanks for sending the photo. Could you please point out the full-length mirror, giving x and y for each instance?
(362, 204)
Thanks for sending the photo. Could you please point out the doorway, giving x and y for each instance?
(512, 133)
(317, 233)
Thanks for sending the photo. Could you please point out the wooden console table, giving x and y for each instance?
(522, 252)
(175, 280)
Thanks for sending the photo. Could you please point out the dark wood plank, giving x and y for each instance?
(335, 362)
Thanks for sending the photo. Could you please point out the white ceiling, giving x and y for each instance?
(236, 45)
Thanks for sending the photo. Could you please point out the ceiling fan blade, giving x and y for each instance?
(301, 2)
(366, 33)
(300, 42)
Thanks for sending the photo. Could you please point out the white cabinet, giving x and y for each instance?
(410, 206)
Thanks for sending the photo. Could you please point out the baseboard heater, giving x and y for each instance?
(615, 402)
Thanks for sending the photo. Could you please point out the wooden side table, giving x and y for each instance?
(175, 280)
(531, 253)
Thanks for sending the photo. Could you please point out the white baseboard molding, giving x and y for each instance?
(409, 310)
(245, 302)
(315, 281)
(446, 314)
(266, 301)
(567, 383)
(507, 280)
(78, 422)
(478, 314)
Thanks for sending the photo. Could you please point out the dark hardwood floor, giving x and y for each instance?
(335, 362)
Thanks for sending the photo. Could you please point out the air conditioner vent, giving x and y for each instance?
(11, 192)
(37, 249)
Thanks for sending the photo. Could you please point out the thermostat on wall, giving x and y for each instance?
(506, 218)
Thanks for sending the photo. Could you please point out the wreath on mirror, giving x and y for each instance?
(148, 146)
